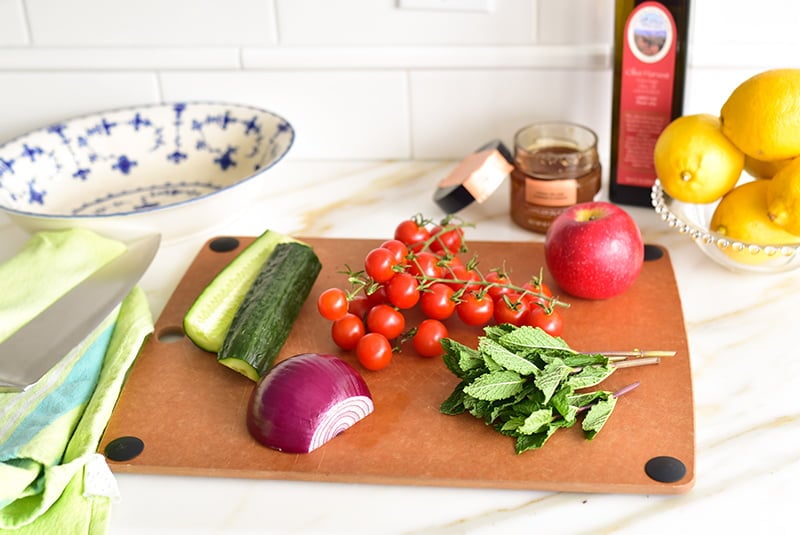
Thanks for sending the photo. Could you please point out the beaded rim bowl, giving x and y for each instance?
(693, 220)
(144, 166)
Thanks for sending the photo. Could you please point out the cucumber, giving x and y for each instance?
(208, 319)
(265, 318)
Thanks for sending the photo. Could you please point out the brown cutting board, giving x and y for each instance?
(189, 411)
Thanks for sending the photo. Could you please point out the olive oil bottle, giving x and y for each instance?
(650, 41)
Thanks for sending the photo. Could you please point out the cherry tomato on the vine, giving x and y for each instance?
(427, 341)
(398, 249)
(550, 322)
(332, 303)
(412, 234)
(403, 290)
(475, 309)
(510, 309)
(437, 301)
(374, 351)
(499, 284)
(379, 264)
(426, 264)
(386, 320)
(359, 305)
(463, 278)
(541, 292)
(378, 297)
(449, 241)
(347, 331)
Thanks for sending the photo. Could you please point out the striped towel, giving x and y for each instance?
(51, 478)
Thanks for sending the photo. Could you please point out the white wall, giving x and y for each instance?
(362, 79)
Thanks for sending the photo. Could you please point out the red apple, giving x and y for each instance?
(594, 250)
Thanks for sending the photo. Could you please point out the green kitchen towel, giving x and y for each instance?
(51, 478)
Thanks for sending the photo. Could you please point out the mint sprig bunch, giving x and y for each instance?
(525, 384)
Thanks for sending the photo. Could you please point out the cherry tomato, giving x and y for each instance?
(449, 241)
(403, 290)
(379, 264)
(550, 322)
(386, 320)
(347, 331)
(359, 305)
(426, 264)
(332, 303)
(437, 301)
(412, 234)
(378, 297)
(374, 351)
(540, 292)
(500, 284)
(475, 310)
(461, 273)
(398, 249)
(427, 341)
(510, 309)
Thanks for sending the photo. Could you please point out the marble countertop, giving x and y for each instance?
(743, 357)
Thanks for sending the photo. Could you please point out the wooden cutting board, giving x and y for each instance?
(189, 411)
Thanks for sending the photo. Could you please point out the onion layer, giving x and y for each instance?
(305, 401)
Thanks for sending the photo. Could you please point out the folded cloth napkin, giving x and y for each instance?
(51, 478)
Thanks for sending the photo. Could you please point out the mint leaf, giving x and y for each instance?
(495, 386)
(550, 378)
(459, 358)
(454, 404)
(597, 416)
(531, 338)
(590, 376)
(505, 358)
(536, 421)
(582, 359)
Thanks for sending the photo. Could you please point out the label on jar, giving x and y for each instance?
(648, 71)
(551, 192)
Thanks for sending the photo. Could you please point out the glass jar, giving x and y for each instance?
(556, 166)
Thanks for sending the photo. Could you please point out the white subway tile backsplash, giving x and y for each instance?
(382, 22)
(36, 99)
(576, 22)
(12, 23)
(421, 57)
(742, 22)
(336, 114)
(71, 58)
(363, 79)
(151, 22)
(455, 112)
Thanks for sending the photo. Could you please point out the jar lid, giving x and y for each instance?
(475, 178)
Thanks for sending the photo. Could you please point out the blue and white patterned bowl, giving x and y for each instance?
(151, 167)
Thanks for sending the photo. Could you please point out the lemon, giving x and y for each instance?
(694, 161)
(742, 215)
(783, 197)
(761, 169)
(762, 115)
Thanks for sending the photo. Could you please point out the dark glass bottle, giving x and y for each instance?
(650, 41)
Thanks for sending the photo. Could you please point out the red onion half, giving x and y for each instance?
(305, 401)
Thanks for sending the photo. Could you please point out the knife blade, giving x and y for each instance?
(30, 352)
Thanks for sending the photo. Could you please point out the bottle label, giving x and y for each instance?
(648, 72)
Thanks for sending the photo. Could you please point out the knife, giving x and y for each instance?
(31, 351)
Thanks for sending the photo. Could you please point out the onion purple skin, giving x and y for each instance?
(305, 401)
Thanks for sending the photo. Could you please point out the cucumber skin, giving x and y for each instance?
(265, 318)
(224, 294)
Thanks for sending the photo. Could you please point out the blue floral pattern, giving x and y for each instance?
(139, 159)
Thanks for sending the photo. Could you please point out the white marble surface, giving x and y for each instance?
(742, 332)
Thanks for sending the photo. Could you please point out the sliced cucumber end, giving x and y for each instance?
(241, 367)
